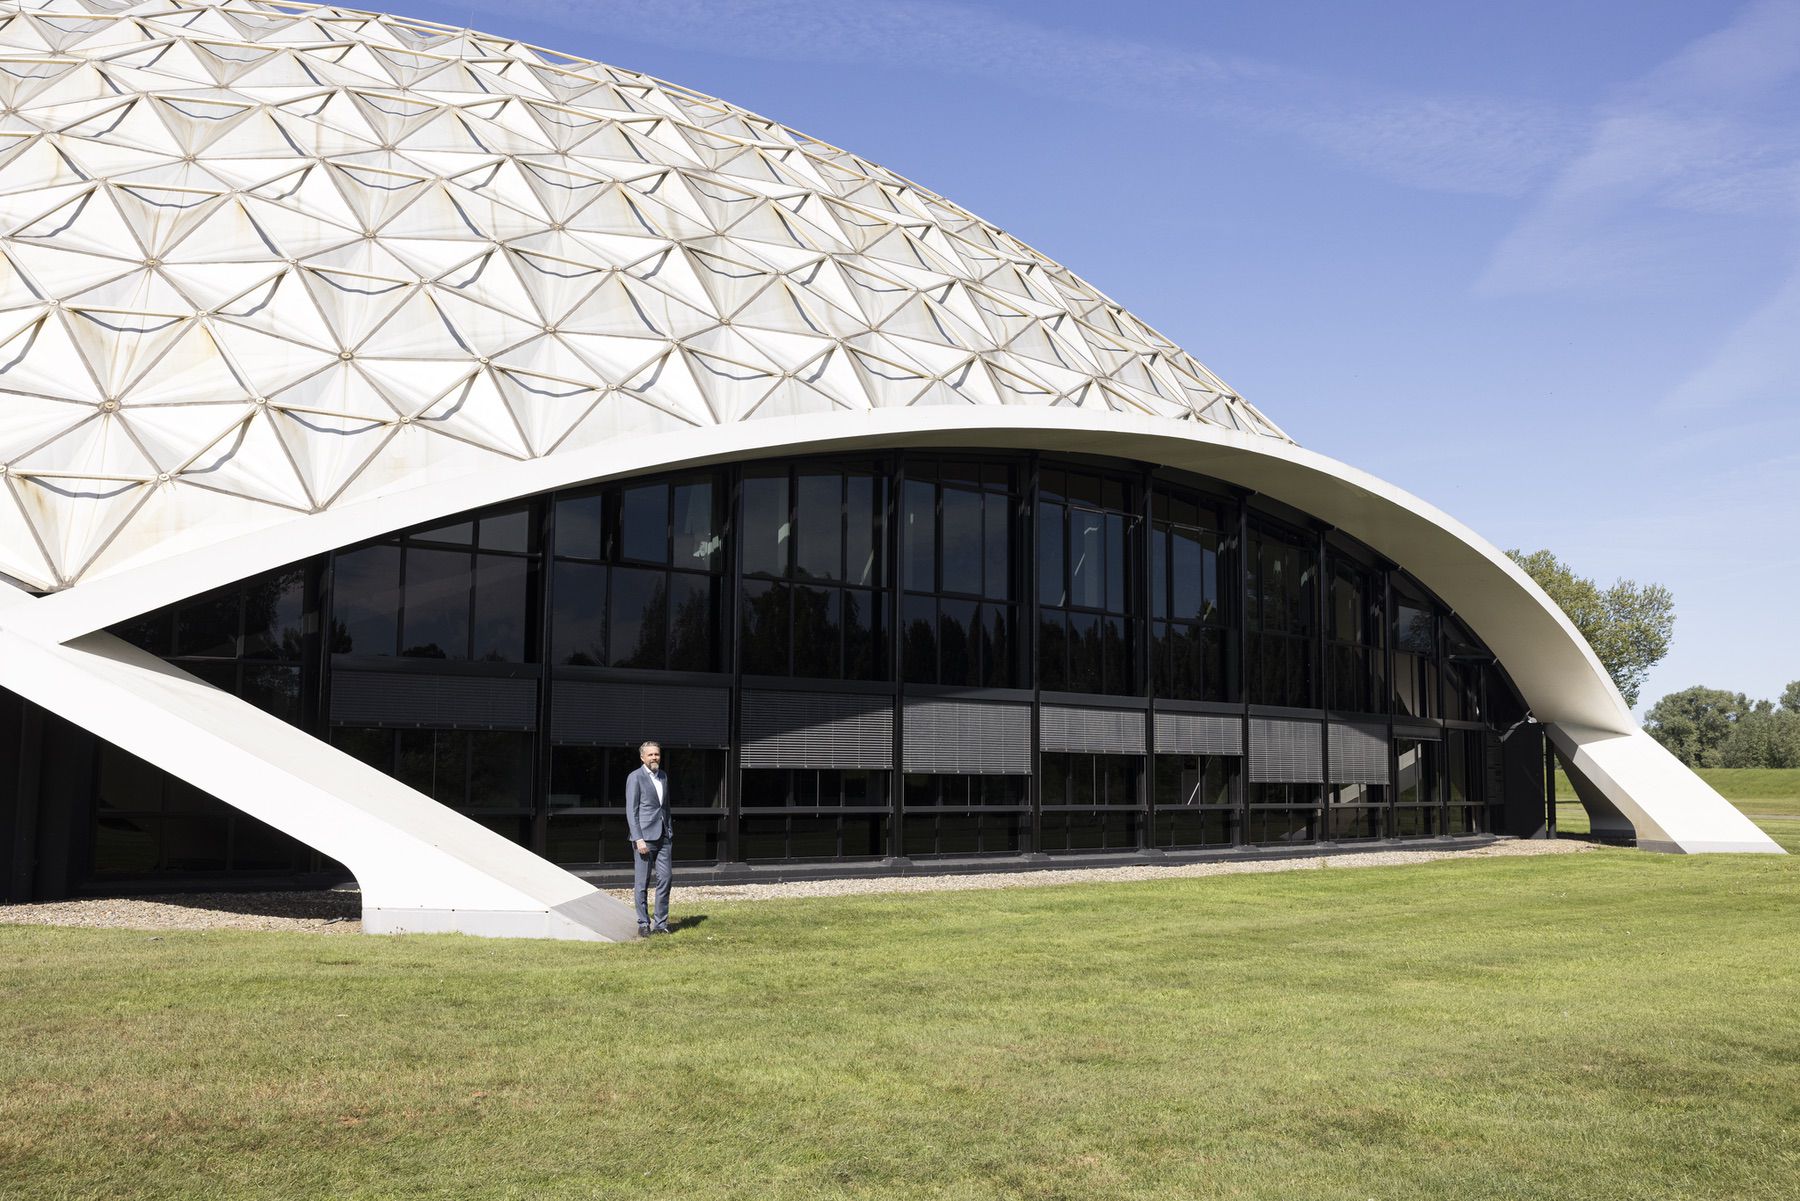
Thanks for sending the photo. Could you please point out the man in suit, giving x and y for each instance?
(652, 829)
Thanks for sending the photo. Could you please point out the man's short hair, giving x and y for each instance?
(643, 745)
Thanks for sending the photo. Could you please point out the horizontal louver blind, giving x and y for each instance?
(1199, 734)
(958, 737)
(1095, 731)
(817, 730)
(1359, 754)
(607, 714)
(393, 698)
(1285, 752)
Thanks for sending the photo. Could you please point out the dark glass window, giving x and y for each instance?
(966, 791)
(581, 527)
(766, 638)
(818, 633)
(1198, 800)
(808, 814)
(1089, 781)
(961, 527)
(1415, 656)
(819, 520)
(1197, 780)
(149, 824)
(1355, 644)
(1282, 613)
(578, 631)
(593, 777)
(638, 618)
(365, 601)
(698, 538)
(1193, 649)
(435, 608)
(966, 815)
(208, 628)
(1281, 812)
(644, 523)
(457, 591)
(481, 772)
(510, 531)
(1464, 781)
(636, 579)
(248, 639)
(586, 823)
(1185, 829)
(1356, 811)
(1464, 667)
(1418, 794)
(693, 621)
(275, 616)
(502, 597)
(765, 524)
(824, 529)
(1089, 629)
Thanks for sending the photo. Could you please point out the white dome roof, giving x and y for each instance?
(256, 259)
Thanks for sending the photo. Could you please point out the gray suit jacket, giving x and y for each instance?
(645, 816)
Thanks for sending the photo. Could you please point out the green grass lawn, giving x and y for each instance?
(1752, 789)
(1763, 792)
(1606, 1025)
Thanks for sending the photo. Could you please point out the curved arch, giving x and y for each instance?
(1562, 681)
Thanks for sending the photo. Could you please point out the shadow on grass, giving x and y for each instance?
(344, 905)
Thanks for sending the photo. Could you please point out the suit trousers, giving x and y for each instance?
(661, 860)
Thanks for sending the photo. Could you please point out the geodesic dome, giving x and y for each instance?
(259, 258)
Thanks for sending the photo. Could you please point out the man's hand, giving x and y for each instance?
(643, 847)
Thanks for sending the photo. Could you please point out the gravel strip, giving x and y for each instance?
(1103, 875)
(336, 912)
(339, 911)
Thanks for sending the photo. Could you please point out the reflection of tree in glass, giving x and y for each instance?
(765, 642)
(1415, 631)
(650, 650)
(816, 635)
(274, 615)
(920, 651)
(690, 632)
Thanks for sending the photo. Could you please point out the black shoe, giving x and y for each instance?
(659, 930)
(643, 932)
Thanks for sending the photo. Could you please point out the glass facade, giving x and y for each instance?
(773, 624)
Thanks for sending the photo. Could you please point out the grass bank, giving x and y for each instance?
(1751, 789)
(1604, 1025)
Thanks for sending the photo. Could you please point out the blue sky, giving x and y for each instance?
(1538, 263)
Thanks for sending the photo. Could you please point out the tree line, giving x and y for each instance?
(1710, 727)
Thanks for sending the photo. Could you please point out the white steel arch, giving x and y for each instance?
(1669, 808)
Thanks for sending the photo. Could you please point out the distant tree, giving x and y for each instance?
(1763, 737)
(1628, 625)
(1790, 697)
(1695, 722)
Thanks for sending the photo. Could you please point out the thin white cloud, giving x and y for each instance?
(1711, 132)
(1473, 144)
(1757, 364)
